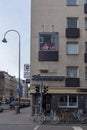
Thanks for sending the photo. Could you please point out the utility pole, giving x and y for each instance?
(41, 87)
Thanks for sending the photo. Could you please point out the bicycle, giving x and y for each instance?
(54, 118)
(41, 118)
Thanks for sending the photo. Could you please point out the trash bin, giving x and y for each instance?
(17, 109)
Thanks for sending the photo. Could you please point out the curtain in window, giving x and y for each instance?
(72, 22)
(71, 2)
(72, 48)
(72, 72)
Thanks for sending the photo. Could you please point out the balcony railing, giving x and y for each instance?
(85, 8)
(72, 82)
(72, 32)
(85, 57)
(48, 56)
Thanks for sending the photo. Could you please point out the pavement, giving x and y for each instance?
(9, 120)
(10, 116)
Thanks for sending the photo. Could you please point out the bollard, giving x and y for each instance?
(17, 109)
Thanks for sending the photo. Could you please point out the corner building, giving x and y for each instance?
(59, 53)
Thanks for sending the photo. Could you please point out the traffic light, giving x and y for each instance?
(45, 89)
(37, 88)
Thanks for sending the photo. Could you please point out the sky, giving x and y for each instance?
(14, 14)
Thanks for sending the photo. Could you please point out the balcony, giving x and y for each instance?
(85, 57)
(72, 82)
(48, 55)
(72, 32)
(85, 8)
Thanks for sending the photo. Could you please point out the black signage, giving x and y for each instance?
(82, 90)
(47, 78)
(27, 80)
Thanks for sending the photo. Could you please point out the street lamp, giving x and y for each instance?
(5, 41)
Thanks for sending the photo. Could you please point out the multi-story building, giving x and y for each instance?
(59, 53)
(23, 88)
(8, 86)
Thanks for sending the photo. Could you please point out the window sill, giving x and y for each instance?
(72, 54)
(68, 106)
(72, 5)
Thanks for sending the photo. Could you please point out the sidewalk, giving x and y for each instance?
(10, 117)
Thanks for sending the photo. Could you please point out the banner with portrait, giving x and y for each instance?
(48, 46)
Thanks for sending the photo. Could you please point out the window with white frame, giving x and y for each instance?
(68, 101)
(72, 48)
(85, 72)
(72, 72)
(72, 2)
(72, 22)
(85, 23)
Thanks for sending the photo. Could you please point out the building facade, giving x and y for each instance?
(59, 53)
(8, 86)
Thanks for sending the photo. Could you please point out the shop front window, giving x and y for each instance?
(68, 101)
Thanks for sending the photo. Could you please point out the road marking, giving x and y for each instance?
(36, 127)
(77, 128)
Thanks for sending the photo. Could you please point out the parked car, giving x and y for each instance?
(16, 103)
(27, 104)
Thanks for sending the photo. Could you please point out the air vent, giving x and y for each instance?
(43, 71)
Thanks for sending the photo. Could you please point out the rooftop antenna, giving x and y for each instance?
(43, 28)
(52, 28)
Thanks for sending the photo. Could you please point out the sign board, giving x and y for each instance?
(26, 71)
(26, 67)
(18, 91)
(27, 80)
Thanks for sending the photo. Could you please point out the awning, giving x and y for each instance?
(63, 90)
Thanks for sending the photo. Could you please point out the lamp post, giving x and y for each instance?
(41, 97)
(5, 41)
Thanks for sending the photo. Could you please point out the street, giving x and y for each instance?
(9, 120)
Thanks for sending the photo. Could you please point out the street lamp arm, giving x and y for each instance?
(12, 30)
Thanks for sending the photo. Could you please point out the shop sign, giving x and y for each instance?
(47, 78)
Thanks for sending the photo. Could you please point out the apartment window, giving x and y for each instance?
(72, 2)
(85, 23)
(72, 72)
(72, 22)
(85, 72)
(68, 101)
(72, 48)
(85, 47)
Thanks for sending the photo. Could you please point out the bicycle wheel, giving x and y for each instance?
(41, 119)
(55, 120)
